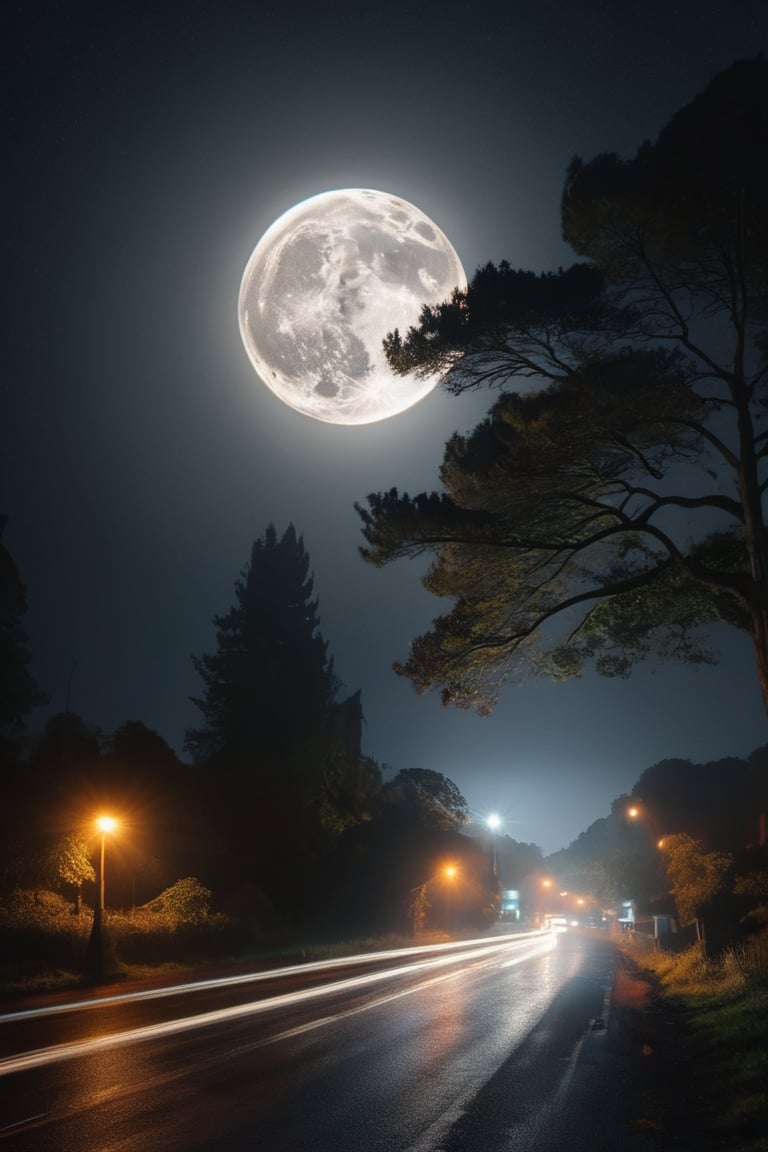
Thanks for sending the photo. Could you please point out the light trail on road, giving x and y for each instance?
(269, 974)
(478, 953)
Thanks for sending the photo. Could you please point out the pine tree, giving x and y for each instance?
(268, 745)
(270, 684)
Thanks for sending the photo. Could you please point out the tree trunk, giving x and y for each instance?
(760, 642)
(755, 535)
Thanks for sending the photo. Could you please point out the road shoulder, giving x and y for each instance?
(643, 1074)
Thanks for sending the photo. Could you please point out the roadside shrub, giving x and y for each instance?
(39, 932)
(156, 937)
(177, 926)
(755, 956)
(187, 901)
(734, 973)
(692, 969)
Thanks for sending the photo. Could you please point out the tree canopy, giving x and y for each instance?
(697, 877)
(438, 800)
(610, 507)
(270, 680)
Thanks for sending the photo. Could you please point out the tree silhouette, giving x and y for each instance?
(610, 508)
(268, 741)
(437, 799)
(270, 682)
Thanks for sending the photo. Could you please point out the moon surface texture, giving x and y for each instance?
(322, 288)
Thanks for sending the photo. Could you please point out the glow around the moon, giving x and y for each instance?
(323, 287)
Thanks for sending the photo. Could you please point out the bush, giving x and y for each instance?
(40, 932)
(185, 902)
(157, 938)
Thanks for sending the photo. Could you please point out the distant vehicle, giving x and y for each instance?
(557, 923)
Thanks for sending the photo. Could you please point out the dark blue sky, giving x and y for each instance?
(152, 145)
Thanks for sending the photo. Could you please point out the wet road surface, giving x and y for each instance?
(507, 1044)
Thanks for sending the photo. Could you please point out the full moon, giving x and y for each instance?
(322, 288)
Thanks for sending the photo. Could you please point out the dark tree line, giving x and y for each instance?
(691, 840)
(280, 812)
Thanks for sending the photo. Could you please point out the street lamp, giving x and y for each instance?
(644, 816)
(104, 824)
(494, 823)
(418, 897)
(97, 945)
(450, 872)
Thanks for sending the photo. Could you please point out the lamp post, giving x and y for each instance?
(104, 824)
(96, 958)
(449, 872)
(494, 823)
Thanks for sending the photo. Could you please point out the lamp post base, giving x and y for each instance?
(101, 961)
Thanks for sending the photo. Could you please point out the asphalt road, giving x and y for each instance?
(510, 1043)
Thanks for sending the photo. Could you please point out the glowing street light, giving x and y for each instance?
(105, 824)
(97, 960)
(643, 816)
(450, 872)
(494, 823)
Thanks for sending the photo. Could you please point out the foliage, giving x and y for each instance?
(697, 877)
(269, 739)
(18, 691)
(64, 765)
(437, 798)
(185, 901)
(517, 861)
(134, 744)
(388, 874)
(615, 512)
(68, 862)
(40, 932)
(42, 936)
(717, 801)
(270, 680)
(754, 886)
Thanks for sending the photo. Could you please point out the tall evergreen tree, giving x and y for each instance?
(270, 683)
(268, 734)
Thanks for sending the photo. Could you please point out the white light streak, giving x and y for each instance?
(255, 977)
(483, 952)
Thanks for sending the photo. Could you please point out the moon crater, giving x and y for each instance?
(324, 285)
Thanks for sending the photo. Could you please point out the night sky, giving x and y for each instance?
(152, 145)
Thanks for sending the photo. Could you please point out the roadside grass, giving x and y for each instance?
(725, 1004)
